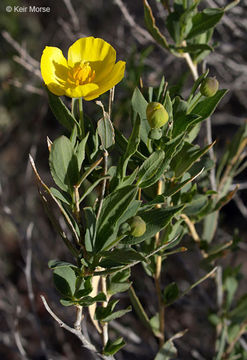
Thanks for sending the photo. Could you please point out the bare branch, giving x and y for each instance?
(139, 33)
(76, 332)
(17, 335)
(24, 59)
(73, 15)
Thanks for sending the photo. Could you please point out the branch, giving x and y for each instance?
(139, 33)
(24, 59)
(76, 332)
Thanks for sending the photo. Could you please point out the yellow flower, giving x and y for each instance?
(90, 70)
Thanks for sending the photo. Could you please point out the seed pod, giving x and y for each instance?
(157, 115)
(137, 226)
(155, 134)
(209, 87)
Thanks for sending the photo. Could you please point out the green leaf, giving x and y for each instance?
(114, 207)
(183, 122)
(197, 203)
(167, 352)
(61, 196)
(186, 157)
(209, 226)
(122, 142)
(89, 190)
(152, 169)
(61, 112)
(139, 105)
(106, 131)
(139, 308)
(118, 282)
(173, 26)
(88, 300)
(193, 48)
(73, 136)
(204, 21)
(112, 347)
(65, 280)
(231, 285)
(225, 199)
(161, 90)
(120, 257)
(172, 188)
(57, 263)
(44, 191)
(90, 219)
(206, 107)
(156, 220)
(197, 84)
(151, 26)
(80, 151)
(65, 302)
(106, 315)
(168, 106)
(170, 293)
(63, 163)
(83, 286)
(116, 288)
(239, 313)
(132, 146)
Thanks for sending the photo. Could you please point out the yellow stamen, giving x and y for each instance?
(81, 74)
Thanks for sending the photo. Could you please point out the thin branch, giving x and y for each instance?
(27, 87)
(157, 279)
(191, 65)
(139, 33)
(28, 277)
(27, 66)
(24, 59)
(191, 227)
(111, 99)
(79, 317)
(240, 204)
(76, 332)
(105, 335)
(73, 15)
(208, 275)
(231, 164)
(17, 335)
(22, 52)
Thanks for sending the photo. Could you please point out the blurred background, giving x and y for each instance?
(27, 240)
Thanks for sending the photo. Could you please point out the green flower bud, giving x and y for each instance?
(137, 226)
(157, 115)
(209, 86)
(124, 228)
(155, 134)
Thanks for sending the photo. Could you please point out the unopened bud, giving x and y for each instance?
(124, 228)
(157, 115)
(137, 226)
(155, 134)
(209, 86)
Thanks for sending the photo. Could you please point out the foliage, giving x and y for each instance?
(152, 181)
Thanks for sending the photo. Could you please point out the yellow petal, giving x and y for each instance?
(97, 52)
(81, 90)
(54, 69)
(108, 82)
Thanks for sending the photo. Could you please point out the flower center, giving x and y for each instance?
(81, 74)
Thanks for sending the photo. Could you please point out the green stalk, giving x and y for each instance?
(81, 118)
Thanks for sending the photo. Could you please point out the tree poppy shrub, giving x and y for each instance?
(148, 200)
